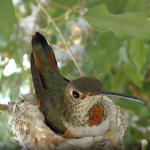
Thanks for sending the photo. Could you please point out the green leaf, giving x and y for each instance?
(138, 52)
(106, 81)
(118, 81)
(115, 6)
(68, 69)
(105, 53)
(144, 122)
(136, 6)
(133, 75)
(130, 141)
(144, 69)
(123, 25)
(87, 60)
(135, 108)
(7, 17)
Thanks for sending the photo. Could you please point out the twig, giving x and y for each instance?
(5, 109)
(60, 17)
(49, 17)
(64, 7)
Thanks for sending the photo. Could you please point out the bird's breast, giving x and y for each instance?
(86, 118)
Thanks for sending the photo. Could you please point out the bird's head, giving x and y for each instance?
(79, 105)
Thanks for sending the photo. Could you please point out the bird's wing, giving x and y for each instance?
(45, 101)
(53, 116)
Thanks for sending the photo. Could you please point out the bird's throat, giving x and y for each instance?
(96, 115)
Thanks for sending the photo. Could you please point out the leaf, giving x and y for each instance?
(115, 6)
(68, 69)
(118, 81)
(136, 6)
(133, 75)
(146, 87)
(123, 25)
(138, 52)
(145, 70)
(7, 17)
(135, 108)
(130, 141)
(87, 64)
(144, 122)
(106, 81)
(105, 53)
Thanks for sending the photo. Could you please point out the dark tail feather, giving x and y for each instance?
(46, 63)
(45, 102)
(43, 54)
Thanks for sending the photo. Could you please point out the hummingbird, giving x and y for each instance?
(74, 107)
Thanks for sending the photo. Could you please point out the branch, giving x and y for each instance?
(60, 17)
(5, 109)
(53, 22)
(64, 7)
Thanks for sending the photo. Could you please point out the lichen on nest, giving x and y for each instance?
(28, 124)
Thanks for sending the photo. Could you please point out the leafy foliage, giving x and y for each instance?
(122, 64)
(133, 24)
(6, 25)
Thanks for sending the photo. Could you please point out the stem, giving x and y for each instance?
(59, 17)
(64, 7)
(144, 144)
(53, 22)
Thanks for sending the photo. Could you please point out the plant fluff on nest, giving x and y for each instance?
(28, 124)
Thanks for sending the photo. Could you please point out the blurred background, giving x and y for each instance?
(123, 65)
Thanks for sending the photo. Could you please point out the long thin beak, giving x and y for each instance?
(107, 93)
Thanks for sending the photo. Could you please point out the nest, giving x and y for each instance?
(28, 124)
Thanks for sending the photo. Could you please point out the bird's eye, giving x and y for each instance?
(75, 94)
